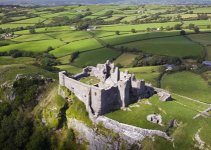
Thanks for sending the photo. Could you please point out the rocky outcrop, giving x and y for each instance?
(164, 95)
(8, 88)
(88, 135)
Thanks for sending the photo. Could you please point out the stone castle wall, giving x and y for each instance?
(115, 90)
(98, 101)
(81, 90)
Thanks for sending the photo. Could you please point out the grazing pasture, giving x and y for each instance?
(69, 69)
(202, 10)
(82, 45)
(187, 84)
(172, 46)
(7, 60)
(29, 37)
(125, 59)
(131, 37)
(33, 46)
(149, 73)
(204, 38)
(96, 56)
(123, 27)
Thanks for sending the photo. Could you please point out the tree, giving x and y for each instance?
(177, 27)
(50, 48)
(133, 30)
(148, 29)
(109, 13)
(191, 26)
(196, 30)
(117, 33)
(202, 17)
(168, 28)
(182, 32)
(82, 26)
(73, 56)
(32, 31)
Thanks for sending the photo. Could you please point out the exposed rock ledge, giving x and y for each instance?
(129, 134)
(86, 134)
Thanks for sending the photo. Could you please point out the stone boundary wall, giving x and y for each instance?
(130, 133)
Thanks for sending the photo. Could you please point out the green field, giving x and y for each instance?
(90, 80)
(96, 56)
(202, 10)
(7, 60)
(150, 74)
(136, 27)
(46, 30)
(130, 37)
(82, 45)
(69, 36)
(181, 109)
(9, 72)
(10, 25)
(29, 37)
(172, 46)
(64, 60)
(33, 46)
(208, 52)
(126, 59)
(187, 84)
(204, 39)
(69, 69)
(199, 23)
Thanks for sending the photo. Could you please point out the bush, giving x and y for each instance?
(32, 31)
(196, 29)
(191, 26)
(182, 32)
(15, 53)
(133, 30)
(50, 48)
(177, 27)
(117, 33)
(73, 56)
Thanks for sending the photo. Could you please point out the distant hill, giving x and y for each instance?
(65, 2)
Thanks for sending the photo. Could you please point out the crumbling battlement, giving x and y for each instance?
(115, 90)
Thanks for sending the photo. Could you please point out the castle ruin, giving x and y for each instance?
(115, 90)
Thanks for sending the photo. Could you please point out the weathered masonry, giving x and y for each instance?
(114, 91)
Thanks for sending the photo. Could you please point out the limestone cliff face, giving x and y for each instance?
(88, 135)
